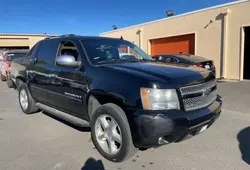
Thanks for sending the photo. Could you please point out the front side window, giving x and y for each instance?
(69, 48)
(13, 56)
(102, 51)
(47, 52)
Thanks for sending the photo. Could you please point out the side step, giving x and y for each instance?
(65, 116)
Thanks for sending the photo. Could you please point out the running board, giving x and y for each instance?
(65, 116)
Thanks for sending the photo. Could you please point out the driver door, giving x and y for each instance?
(70, 80)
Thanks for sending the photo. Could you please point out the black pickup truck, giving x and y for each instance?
(129, 100)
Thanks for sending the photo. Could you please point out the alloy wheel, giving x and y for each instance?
(108, 134)
(23, 99)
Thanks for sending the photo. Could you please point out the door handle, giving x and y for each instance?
(30, 72)
(53, 76)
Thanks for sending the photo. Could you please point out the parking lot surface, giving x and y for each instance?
(38, 141)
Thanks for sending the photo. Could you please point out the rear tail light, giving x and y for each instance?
(9, 71)
(198, 65)
(9, 64)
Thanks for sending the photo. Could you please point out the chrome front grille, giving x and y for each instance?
(199, 96)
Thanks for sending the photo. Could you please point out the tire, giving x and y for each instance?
(10, 83)
(122, 151)
(3, 78)
(30, 107)
(18, 83)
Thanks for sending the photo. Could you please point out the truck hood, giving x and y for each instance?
(176, 74)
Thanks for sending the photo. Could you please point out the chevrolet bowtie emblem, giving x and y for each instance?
(206, 92)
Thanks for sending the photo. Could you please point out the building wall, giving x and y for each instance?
(34, 40)
(212, 29)
(15, 40)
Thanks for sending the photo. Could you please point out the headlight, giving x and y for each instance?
(159, 99)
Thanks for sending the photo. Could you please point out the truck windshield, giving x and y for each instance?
(12, 56)
(112, 51)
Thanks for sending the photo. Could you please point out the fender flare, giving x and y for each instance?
(96, 98)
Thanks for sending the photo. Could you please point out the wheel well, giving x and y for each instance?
(95, 101)
(93, 104)
(18, 81)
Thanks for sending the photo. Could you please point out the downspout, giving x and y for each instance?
(225, 42)
(139, 37)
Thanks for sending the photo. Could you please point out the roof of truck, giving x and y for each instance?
(73, 36)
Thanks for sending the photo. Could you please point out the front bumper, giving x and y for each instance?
(154, 128)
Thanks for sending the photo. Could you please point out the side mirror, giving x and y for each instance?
(67, 60)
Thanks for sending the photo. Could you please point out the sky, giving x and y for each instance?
(88, 17)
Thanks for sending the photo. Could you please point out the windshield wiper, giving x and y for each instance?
(108, 61)
(123, 60)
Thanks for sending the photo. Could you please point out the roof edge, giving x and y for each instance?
(180, 15)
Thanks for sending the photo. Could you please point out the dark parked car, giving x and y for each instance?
(130, 101)
(187, 59)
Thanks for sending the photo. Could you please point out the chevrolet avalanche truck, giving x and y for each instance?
(129, 100)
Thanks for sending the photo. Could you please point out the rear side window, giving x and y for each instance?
(47, 52)
(28, 56)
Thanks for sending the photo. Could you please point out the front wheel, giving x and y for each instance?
(111, 133)
(26, 101)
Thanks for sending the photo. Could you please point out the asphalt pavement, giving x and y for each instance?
(42, 142)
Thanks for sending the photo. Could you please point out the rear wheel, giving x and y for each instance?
(26, 101)
(3, 78)
(111, 133)
(10, 83)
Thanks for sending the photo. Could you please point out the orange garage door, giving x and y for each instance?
(177, 44)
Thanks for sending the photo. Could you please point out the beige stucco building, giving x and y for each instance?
(220, 33)
(20, 41)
